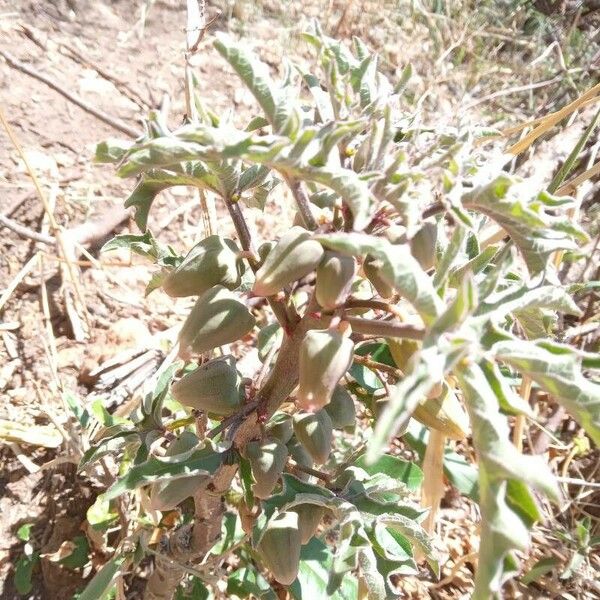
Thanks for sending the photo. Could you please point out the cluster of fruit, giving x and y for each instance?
(212, 270)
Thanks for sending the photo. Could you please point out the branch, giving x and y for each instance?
(118, 125)
(241, 227)
(303, 203)
(375, 304)
(385, 328)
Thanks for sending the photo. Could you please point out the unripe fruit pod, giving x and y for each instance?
(315, 432)
(280, 545)
(212, 261)
(335, 275)
(300, 455)
(309, 518)
(264, 249)
(166, 495)
(281, 427)
(371, 268)
(218, 318)
(422, 245)
(294, 256)
(214, 387)
(267, 460)
(444, 413)
(341, 409)
(402, 350)
(325, 356)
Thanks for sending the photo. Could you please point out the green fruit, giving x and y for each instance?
(325, 356)
(267, 460)
(422, 245)
(309, 517)
(294, 256)
(212, 261)
(218, 318)
(166, 495)
(264, 249)
(280, 545)
(301, 457)
(371, 268)
(281, 427)
(335, 275)
(315, 432)
(214, 387)
(341, 409)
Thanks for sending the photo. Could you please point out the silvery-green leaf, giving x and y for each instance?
(475, 265)
(111, 150)
(251, 71)
(557, 369)
(320, 96)
(449, 256)
(536, 233)
(369, 572)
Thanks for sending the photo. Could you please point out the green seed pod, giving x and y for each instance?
(335, 275)
(218, 318)
(298, 452)
(267, 460)
(325, 355)
(280, 545)
(294, 256)
(371, 268)
(281, 427)
(315, 432)
(422, 245)
(212, 261)
(166, 495)
(214, 387)
(309, 518)
(341, 408)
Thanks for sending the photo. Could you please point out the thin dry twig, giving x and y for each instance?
(99, 114)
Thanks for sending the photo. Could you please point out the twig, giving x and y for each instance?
(310, 471)
(51, 220)
(12, 286)
(377, 366)
(302, 202)
(25, 232)
(385, 328)
(118, 125)
(375, 304)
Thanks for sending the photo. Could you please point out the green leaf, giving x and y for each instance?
(247, 582)
(200, 462)
(24, 532)
(557, 369)
(24, 571)
(251, 71)
(111, 150)
(79, 556)
(540, 568)
(314, 574)
(400, 470)
(142, 198)
(102, 583)
(535, 232)
(100, 515)
(365, 376)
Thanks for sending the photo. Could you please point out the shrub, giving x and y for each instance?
(438, 270)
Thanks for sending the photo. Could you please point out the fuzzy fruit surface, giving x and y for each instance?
(214, 387)
(211, 262)
(325, 356)
(335, 275)
(294, 256)
(267, 460)
(219, 317)
(315, 432)
(280, 545)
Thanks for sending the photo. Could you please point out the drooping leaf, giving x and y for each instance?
(557, 369)
(102, 583)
